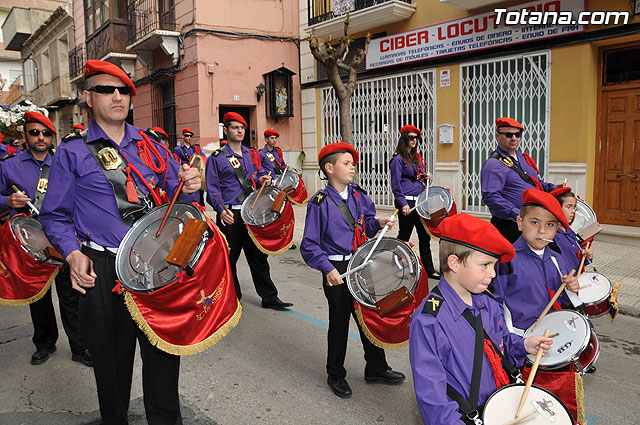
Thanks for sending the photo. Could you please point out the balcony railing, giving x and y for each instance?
(76, 61)
(146, 16)
(110, 38)
(325, 10)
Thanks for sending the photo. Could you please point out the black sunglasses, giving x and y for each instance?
(35, 133)
(509, 134)
(413, 137)
(111, 89)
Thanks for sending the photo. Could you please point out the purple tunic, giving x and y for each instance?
(22, 170)
(326, 231)
(571, 250)
(222, 182)
(441, 352)
(524, 283)
(80, 199)
(502, 187)
(266, 162)
(401, 184)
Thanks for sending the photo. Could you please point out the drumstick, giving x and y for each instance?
(33, 207)
(379, 238)
(564, 183)
(520, 418)
(224, 207)
(355, 269)
(173, 200)
(553, 300)
(554, 335)
(532, 375)
(264, 182)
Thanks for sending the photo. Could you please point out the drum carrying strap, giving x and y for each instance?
(275, 163)
(515, 167)
(41, 187)
(470, 407)
(247, 185)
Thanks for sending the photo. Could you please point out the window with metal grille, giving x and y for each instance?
(515, 87)
(163, 103)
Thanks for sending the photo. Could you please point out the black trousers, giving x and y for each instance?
(43, 316)
(406, 224)
(111, 334)
(507, 228)
(340, 308)
(239, 239)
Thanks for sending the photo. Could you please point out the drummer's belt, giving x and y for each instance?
(41, 189)
(276, 165)
(515, 167)
(470, 407)
(113, 165)
(247, 185)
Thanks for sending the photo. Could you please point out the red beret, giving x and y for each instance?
(233, 116)
(186, 130)
(410, 129)
(95, 67)
(508, 122)
(271, 132)
(161, 131)
(339, 147)
(478, 234)
(559, 191)
(546, 201)
(79, 127)
(32, 116)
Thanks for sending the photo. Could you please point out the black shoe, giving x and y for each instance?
(389, 377)
(339, 386)
(84, 357)
(592, 369)
(276, 304)
(41, 355)
(293, 246)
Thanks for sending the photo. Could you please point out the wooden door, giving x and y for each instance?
(617, 185)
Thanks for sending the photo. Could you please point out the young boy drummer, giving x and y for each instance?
(339, 219)
(566, 238)
(453, 376)
(526, 284)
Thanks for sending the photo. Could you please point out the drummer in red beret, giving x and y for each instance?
(78, 128)
(233, 172)
(409, 175)
(441, 342)
(520, 284)
(339, 220)
(505, 175)
(272, 157)
(568, 242)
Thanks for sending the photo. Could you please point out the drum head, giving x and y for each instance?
(597, 287)
(288, 178)
(438, 198)
(392, 265)
(501, 407)
(260, 214)
(140, 262)
(29, 232)
(574, 332)
(585, 216)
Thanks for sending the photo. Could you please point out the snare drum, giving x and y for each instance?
(576, 344)
(595, 293)
(270, 221)
(262, 212)
(392, 265)
(501, 407)
(140, 260)
(434, 204)
(28, 231)
(297, 192)
(585, 224)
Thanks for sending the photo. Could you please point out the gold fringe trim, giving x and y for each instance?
(180, 350)
(428, 231)
(264, 250)
(580, 399)
(298, 203)
(37, 296)
(375, 341)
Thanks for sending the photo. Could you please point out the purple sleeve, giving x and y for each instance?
(213, 184)
(499, 283)
(310, 248)
(179, 153)
(492, 180)
(56, 214)
(395, 168)
(371, 224)
(429, 376)
(5, 191)
(513, 344)
(172, 181)
(548, 187)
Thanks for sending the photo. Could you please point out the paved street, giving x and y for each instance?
(270, 369)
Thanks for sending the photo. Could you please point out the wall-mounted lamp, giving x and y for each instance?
(260, 89)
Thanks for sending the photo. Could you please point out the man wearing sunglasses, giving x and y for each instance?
(28, 171)
(103, 181)
(185, 151)
(505, 175)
